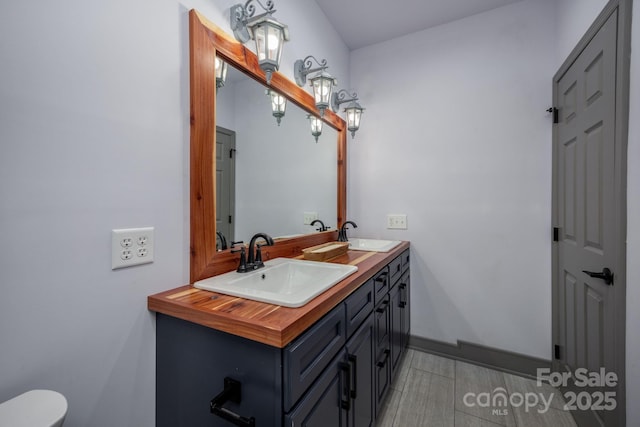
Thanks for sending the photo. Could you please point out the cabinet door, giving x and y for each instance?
(360, 357)
(327, 402)
(405, 286)
(396, 312)
(382, 351)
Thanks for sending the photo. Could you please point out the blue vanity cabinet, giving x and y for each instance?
(336, 373)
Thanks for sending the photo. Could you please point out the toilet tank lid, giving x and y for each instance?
(35, 408)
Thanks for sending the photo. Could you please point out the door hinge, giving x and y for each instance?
(556, 352)
(553, 110)
(556, 234)
(231, 151)
(230, 220)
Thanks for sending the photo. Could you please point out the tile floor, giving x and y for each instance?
(435, 391)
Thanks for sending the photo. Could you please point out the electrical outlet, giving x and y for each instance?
(309, 217)
(131, 246)
(397, 221)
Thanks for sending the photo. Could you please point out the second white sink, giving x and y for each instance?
(283, 281)
(373, 245)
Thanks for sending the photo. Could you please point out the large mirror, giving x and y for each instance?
(269, 174)
(206, 42)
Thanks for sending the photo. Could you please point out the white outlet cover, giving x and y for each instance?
(309, 217)
(397, 221)
(131, 246)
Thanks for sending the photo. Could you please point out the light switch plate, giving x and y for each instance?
(131, 246)
(397, 221)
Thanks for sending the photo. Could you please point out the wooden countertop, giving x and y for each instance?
(267, 323)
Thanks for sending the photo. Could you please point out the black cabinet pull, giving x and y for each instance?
(354, 360)
(383, 362)
(382, 277)
(232, 392)
(403, 295)
(382, 307)
(346, 403)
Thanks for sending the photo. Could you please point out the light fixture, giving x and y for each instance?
(221, 72)
(264, 29)
(316, 126)
(278, 104)
(322, 83)
(353, 110)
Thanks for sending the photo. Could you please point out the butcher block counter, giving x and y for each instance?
(266, 323)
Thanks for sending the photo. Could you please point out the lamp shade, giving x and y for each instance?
(269, 36)
(316, 126)
(221, 72)
(354, 113)
(278, 105)
(322, 85)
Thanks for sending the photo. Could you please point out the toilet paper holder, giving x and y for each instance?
(232, 392)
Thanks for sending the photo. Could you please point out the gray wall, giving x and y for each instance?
(463, 135)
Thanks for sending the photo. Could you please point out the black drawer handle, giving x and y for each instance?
(354, 370)
(383, 362)
(382, 277)
(346, 403)
(382, 307)
(231, 392)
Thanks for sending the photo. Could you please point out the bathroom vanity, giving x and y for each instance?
(329, 362)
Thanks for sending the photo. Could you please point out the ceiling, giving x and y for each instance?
(364, 22)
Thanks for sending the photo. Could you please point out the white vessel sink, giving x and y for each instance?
(372, 245)
(282, 281)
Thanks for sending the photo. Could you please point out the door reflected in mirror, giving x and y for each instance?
(269, 176)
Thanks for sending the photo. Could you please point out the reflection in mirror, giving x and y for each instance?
(268, 175)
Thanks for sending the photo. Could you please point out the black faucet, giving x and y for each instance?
(254, 260)
(322, 226)
(223, 240)
(342, 234)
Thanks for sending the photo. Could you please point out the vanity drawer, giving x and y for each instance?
(380, 285)
(406, 258)
(395, 269)
(358, 306)
(306, 357)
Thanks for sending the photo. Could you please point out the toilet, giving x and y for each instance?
(35, 408)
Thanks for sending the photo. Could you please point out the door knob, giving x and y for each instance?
(606, 275)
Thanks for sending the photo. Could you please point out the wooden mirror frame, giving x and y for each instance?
(206, 41)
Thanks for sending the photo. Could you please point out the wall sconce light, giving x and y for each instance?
(278, 104)
(322, 83)
(264, 29)
(221, 72)
(353, 110)
(316, 126)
